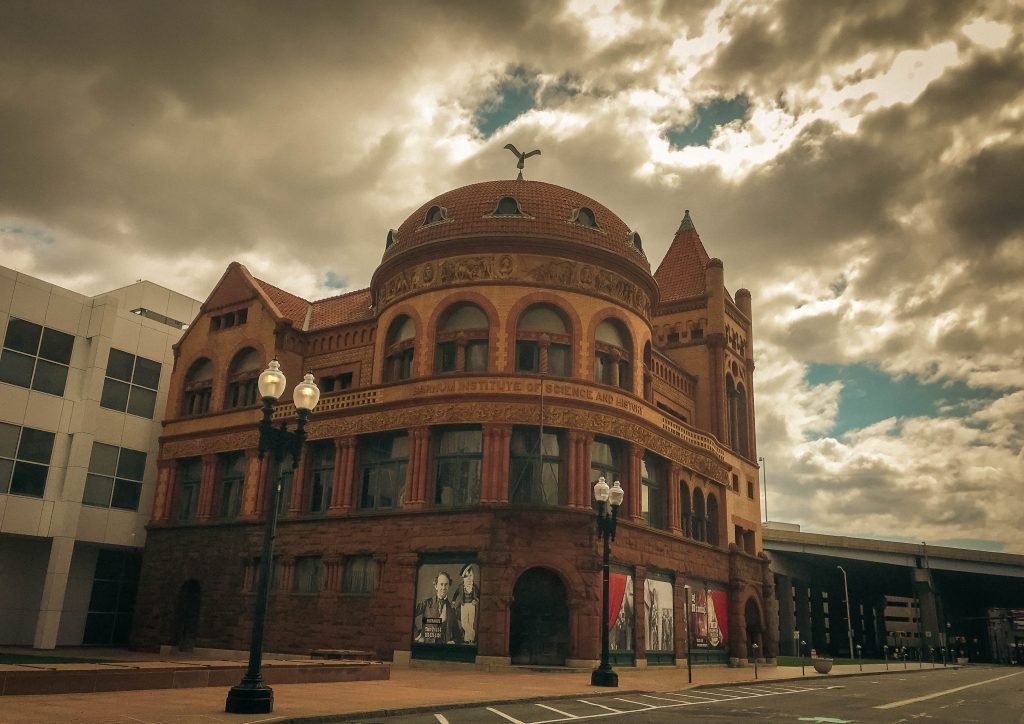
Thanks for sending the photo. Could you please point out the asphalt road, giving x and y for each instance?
(990, 695)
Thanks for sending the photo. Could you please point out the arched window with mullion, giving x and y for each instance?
(612, 356)
(384, 462)
(462, 335)
(686, 512)
(543, 342)
(198, 388)
(699, 519)
(606, 460)
(243, 374)
(399, 349)
(652, 478)
(712, 519)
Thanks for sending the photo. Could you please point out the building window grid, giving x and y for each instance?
(384, 463)
(457, 465)
(36, 357)
(232, 482)
(190, 474)
(130, 384)
(308, 575)
(360, 575)
(115, 477)
(321, 473)
(527, 485)
(24, 459)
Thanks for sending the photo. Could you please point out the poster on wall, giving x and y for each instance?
(659, 615)
(621, 616)
(709, 618)
(447, 606)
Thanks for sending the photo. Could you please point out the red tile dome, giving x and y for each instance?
(546, 211)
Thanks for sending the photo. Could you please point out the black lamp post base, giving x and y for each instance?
(250, 700)
(604, 677)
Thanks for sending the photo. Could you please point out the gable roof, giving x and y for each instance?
(681, 272)
(350, 307)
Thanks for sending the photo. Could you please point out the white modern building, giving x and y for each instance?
(83, 387)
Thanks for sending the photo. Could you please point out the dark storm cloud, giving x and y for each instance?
(791, 41)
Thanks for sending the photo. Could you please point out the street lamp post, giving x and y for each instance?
(608, 501)
(687, 608)
(849, 621)
(251, 695)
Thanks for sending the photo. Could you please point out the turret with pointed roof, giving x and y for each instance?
(681, 272)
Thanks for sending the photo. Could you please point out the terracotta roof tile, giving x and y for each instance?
(681, 272)
(547, 209)
(350, 307)
(290, 306)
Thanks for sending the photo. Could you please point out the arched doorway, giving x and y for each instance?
(752, 617)
(186, 618)
(539, 627)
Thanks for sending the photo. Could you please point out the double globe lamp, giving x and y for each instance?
(608, 502)
(252, 696)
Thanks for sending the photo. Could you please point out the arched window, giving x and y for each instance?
(543, 342)
(584, 217)
(508, 206)
(398, 350)
(741, 421)
(699, 521)
(243, 374)
(732, 413)
(686, 513)
(612, 358)
(198, 388)
(712, 537)
(462, 339)
(535, 467)
(435, 215)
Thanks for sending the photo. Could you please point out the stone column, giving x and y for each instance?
(253, 482)
(817, 639)
(207, 487)
(802, 609)
(496, 462)
(634, 509)
(344, 474)
(787, 615)
(51, 606)
(163, 497)
(297, 504)
(417, 475)
(675, 474)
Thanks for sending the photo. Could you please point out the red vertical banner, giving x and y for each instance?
(621, 616)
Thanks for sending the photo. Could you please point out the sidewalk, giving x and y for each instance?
(408, 688)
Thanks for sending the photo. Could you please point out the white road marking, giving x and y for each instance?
(895, 704)
(617, 711)
(638, 703)
(440, 718)
(504, 715)
(559, 711)
(659, 698)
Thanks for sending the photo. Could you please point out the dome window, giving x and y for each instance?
(584, 217)
(392, 238)
(435, 215)
(508, 206)
(637, 242)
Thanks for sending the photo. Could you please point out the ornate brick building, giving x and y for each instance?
(513, 346)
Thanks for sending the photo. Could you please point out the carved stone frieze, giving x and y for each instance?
(562, 273)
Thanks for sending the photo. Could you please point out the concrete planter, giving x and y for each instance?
(822, 666)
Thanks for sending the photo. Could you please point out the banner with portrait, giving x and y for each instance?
(447, 605)
(621, 616)
(709, 620)
(659, 614)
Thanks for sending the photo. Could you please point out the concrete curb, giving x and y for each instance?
(409, 711)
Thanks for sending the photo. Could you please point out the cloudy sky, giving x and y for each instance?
(857, 164)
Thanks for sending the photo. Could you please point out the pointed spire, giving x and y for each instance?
(681, 272)
(686, 224)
